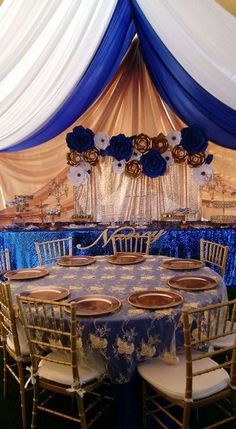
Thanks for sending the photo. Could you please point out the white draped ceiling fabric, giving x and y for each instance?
(46, 47)
(202, 39)
(44, 58)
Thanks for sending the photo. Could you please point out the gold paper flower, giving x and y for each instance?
(91, 156)
(160, 143)
(179, 153)
(142, 143)
(133, 168)
(196, 159)
(74, 158)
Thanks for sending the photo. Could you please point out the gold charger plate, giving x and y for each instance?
(155, 299)
(95, 305)
(26, 274)
(182, 264)
(76, 261)
(125, 258)
(192, 283)
(52, 294)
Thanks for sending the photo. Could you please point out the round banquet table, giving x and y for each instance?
(130, 335)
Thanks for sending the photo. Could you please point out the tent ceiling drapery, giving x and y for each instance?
(68, 63)
(131, 91)
(31, 160)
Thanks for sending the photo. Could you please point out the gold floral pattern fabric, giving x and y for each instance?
(131, 334)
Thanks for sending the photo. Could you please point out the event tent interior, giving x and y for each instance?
(117, 116)
(150, 67)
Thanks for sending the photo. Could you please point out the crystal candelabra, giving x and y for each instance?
(58, 190)
(42, 211)
(53, 211)
(218, 185)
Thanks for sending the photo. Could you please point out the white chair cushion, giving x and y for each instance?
(227, 341)
(61, 373)
(24, 348)
(171, 379)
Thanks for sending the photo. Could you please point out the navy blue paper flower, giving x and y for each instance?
(120, 147)
(81, 139)
(194, 139)
(209, 159)
(153, 164)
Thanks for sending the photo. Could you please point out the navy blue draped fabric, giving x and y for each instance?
(101, 70)
(192, 103)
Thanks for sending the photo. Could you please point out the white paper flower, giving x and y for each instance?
(101, 141)
(78, 175)
(174, 138)
(118, 166)
(85, 166)
(136, 155)
(168, 158)
(202, 174)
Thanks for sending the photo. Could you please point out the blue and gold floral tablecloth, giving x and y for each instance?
(130, 335)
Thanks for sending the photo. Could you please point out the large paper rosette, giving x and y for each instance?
(78, 175)
(203, 174)
(101, 141)
(153, 164)
(118, 166)
(194, 139)
(160, 143)
(120, 147)
(81, 139)
(142, 143)
(174, 138)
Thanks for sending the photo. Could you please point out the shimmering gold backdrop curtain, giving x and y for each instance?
(129, 105)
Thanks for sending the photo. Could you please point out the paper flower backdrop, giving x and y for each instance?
(139, 154)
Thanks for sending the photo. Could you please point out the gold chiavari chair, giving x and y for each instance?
(132, 243)
(51, 331)
(4, 261)
(198, 380)
(53, 250)
(214, 254)
(4, 266)
(15, 347)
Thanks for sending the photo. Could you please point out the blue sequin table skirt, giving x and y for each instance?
(175, 243)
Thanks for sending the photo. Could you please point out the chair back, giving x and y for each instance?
(50, 326)
(8, 319)
(214, 254)
(201, 326)
(53, 250)
(134, 243)
(4, 261)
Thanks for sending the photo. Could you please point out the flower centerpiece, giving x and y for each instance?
(139, 154)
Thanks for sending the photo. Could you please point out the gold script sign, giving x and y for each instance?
(106, 238)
